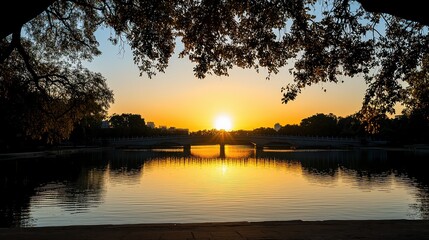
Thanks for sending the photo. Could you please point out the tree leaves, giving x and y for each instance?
(323, 40)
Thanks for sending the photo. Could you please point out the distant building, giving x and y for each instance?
(150, 125)
(277, 126)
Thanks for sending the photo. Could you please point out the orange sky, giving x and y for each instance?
(178, 99)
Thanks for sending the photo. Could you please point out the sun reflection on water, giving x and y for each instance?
(215, 151)
(242, 185)
(224, 169)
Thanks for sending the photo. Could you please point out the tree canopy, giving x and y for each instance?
(385, 42)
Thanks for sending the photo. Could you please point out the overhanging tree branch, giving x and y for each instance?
(14, 14)
(414, 10)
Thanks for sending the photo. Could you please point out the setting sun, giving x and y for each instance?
(223, 122)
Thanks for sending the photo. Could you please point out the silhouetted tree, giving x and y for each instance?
(291, 129)
(87, 130)
(324, 39)
(418, 128)
(320, 124)
(417, 99)
(350, 126)
(405, 129)
(43, 109)
(127, 120)
(128, 124)
(264, 131)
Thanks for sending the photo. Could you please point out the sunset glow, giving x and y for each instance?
(255, 101)
(223, 122)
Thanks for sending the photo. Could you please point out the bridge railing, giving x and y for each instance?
(307, 137)
(137, 138)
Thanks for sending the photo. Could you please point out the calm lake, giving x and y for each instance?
(208, 184)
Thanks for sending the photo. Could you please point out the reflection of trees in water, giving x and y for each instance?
(76, 182)
(423, 205)
(127, 166)
(16, 191)
(414, 167)
(366, 169)
(74, 178)
(76, 195)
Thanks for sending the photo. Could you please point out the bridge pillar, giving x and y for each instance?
(222, 151)
(258, 147)
(187, 149)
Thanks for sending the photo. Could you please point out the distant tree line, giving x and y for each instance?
(88, 131)
(326, 125)
(404, 129)
(125, 125)
(409, 128)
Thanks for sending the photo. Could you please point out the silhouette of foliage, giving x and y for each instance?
(47, 106)
(264, 131)
(291, 129)
(417, 95)
(320, 125)
(127, 124)
(44, 89)
(127, 120)
(350, 126)
(319, 41)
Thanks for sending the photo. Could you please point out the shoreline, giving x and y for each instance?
(48, 153)
(328, 229)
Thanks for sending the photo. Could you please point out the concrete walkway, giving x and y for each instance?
(332, 230)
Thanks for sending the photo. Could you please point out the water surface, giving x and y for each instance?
(211, 185)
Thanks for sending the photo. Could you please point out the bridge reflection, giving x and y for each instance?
(220, 151)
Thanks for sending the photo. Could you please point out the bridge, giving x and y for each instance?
(258, 141)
